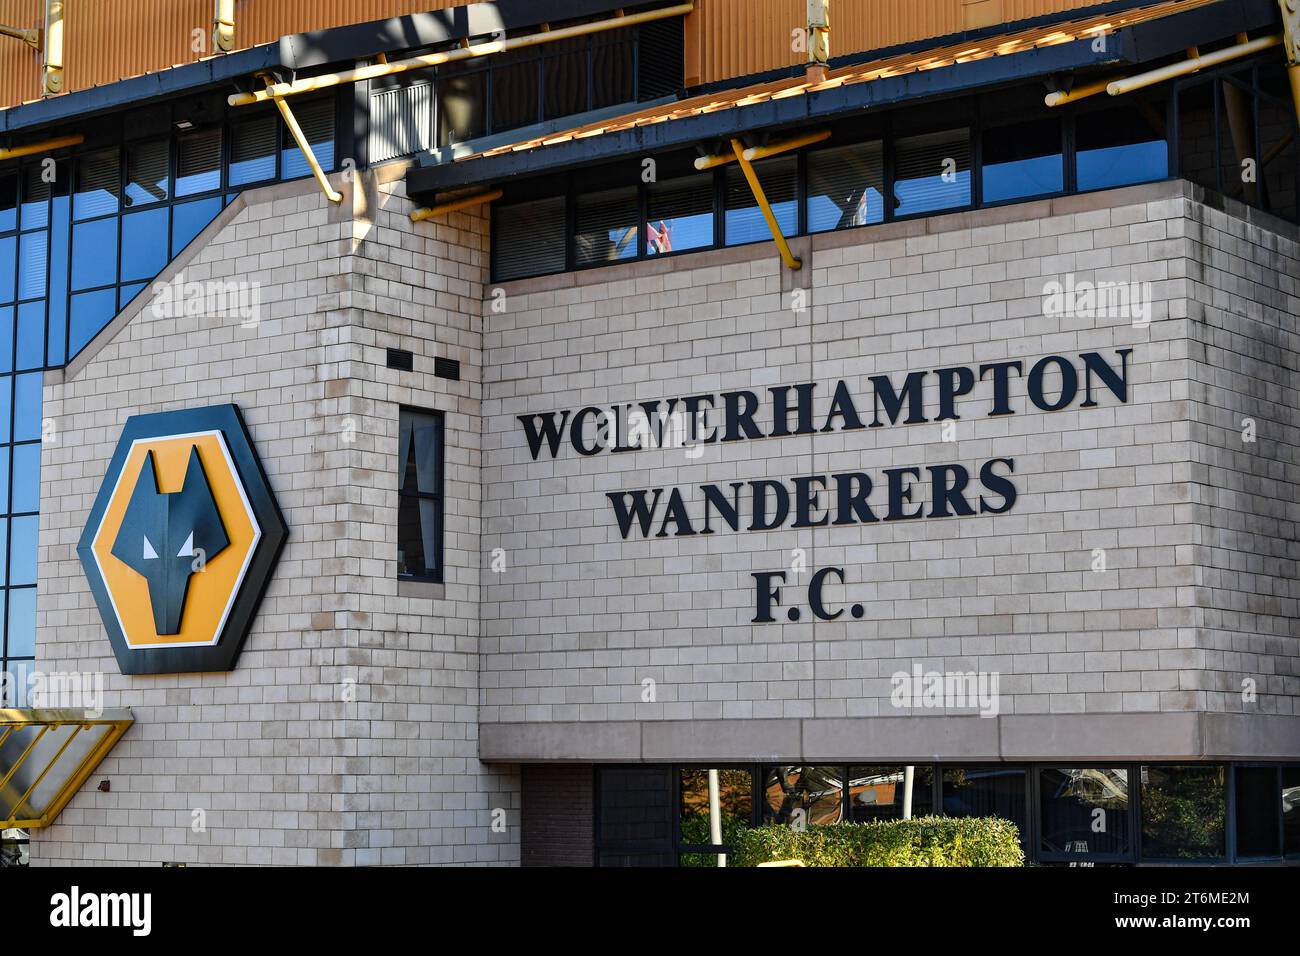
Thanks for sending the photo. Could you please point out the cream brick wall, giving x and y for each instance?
(286, 769)
(1199, 588)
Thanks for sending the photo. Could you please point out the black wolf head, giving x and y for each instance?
(162, 535)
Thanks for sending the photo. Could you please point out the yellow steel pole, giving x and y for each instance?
(44, 146)
(332, 194)
(428, 212)
(324, 81)
(1192, 65)
(761, 198)
(1291, 41)
(762, 152)
(53, 65)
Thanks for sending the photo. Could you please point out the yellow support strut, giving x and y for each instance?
(761, 198)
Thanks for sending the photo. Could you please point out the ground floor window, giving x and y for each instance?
(658, 815)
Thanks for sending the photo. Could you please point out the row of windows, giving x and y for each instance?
(656, 815)
(904, 173)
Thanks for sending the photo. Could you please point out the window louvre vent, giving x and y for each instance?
(401, 359)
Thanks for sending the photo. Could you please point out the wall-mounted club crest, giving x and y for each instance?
(181, 541)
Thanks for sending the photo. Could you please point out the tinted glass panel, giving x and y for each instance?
(461, 107)
(6, 340)
(191, 218)
(679, 214)
(22, 550)
(33, 252)
(879, 793)
(807, 794)
(1024, 160)
(27, 478)
(94, 253)
(635, 810)
(514, 95)
(1120, 146)
(986, 792)
(147, 178)
(198, 162)
(317, 122)
(27, 406)
(1183, 811)
(31, 335)
(606, 226)
(565, 79)
(6, 405)
(144, 244)
(252, 151)
(22, 620)
(1291, 812)
(932, 171)
(90, 312)
(8, 264)
(612, 81)
(744, 221)
(1258, 812)
(846, 187)
(129, 292)
(98, 176)
(735, 803)
(529, 238)
(8, 202)
(36, 196)
(1085, 811)
(5, 505)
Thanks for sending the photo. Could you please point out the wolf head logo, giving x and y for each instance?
(162, 535)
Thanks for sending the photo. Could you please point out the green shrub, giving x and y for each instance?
(925, 841)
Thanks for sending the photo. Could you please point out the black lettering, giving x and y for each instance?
(945, 496)
(549, 430)
(953, 383)
(729, 510)
(900, 494)
(1001, 385)
(575, 432)
(807, 499)
(761, 520)
(781, 411)
(676, 513)
(1117, 382)
(738, 419)
(851, 504)
(912, 391)
(815, 594)
(639, 510)
(842, 406)
(998, 484)
(1069, 383)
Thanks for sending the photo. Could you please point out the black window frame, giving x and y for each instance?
(438, 575)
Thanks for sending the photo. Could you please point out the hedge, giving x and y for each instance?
(924, 841)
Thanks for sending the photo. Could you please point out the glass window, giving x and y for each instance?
(198, 162)
(1259, 814)
(879, 793)
(22, 550)
(846, 187)
(679, 214)
(606, 226)
(1183, 811)
(565, 82)
(6, 340)
(812, 794)
(932, 171)
(529, 238)
(735, 805)
(22, 621)
(8, 252)
(611, 72)
(90, 312)
(252, 151)
(35, 209)
(191, 218)
(743, 221)
(514, 95)
(144, 244)
(986, 792)
(129, 292)
(1021, 161)
(1084, 811)
(316, 119)
(33, 257)
(31, 335)
(5, 505)
(6, 406)
(419, 501)
(461, 107)
(27, 478)
(94, 253)
(147, 178)
(27, 406)
(4, 552)
(1121, 146)
(98, 182)
(1291, 812)
(8, 202)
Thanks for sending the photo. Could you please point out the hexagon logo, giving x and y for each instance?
(182, 541)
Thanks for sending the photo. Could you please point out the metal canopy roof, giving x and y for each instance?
(45, 757)
(1133, 35)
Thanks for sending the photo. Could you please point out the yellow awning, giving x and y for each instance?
(45, 757)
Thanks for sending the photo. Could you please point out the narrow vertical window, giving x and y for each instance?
(419, 495)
